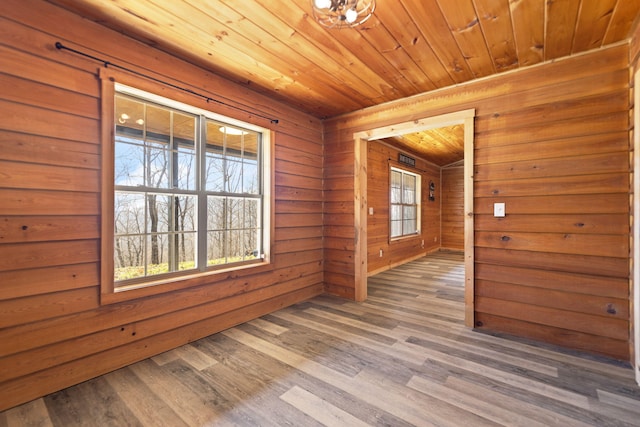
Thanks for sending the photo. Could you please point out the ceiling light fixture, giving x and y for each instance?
(231, 131)
(342, 13)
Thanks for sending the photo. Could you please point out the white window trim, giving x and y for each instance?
(418, 204)
(167, 102)
(158, 285)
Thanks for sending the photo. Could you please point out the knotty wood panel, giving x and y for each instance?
(557, 336)
(575, 283)
(608, 307)
(634, 50)
(33, 149)
(546, 262)
(53, 329)
(561, 165)
(577, 223)
(452, 208)
(381, 158)
(616, 246)
(420, 45)
(36, 281)
(47, 228)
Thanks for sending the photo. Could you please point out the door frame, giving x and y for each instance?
(464, 117)
(635, 280)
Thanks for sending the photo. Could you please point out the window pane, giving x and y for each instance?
(215, 213)
(231, 131)
(186, 166)
(236, 247)
(396, 212)
(214, 168)
(184, 128)
(129, 213)
(157, 261)
(251, 213)
(396, 228)
(158, 191)
(158, 219)
(157, 166)
(214, 172)
(186, 213)
(129, 162)
(396, 186)
(409, 216)
(396, 179)
(250, 244)
(129, 116)
(215, 248)
(409, 212)
(183, 163)
(157, 124)
(235, 213)
(404, 205)
(233, 139)
(233, 174)
(409, 219)
(409, 182)
(250, 145)
(250, 159)
(250, 183)
(186, 244)
(396, 195)
(409, 196)
(129, 142)
(409, 189)
(129, 257)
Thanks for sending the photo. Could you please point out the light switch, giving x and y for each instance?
(370, 211)
(498, 210)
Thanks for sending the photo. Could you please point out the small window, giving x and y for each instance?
(188, 191)
(404, 203)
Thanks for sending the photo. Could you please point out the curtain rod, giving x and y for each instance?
(107, 64)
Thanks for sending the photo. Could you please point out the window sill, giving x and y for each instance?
(158, 287)
(393, 240)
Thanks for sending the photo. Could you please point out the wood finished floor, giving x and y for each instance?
(401, 358)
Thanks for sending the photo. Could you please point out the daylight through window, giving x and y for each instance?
(404, 203)
(188, 189)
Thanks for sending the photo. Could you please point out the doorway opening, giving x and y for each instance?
(636, 228)
(361, 139)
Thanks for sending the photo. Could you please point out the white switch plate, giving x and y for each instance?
(370, 211)
(499, 210)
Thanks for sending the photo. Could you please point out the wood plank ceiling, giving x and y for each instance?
(407, 47)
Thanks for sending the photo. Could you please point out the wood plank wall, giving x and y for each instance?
(552, 142)
(53, 330)
(452, 230)
(379, 159)
(634, 60)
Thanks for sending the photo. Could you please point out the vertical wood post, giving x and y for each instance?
(360, 223)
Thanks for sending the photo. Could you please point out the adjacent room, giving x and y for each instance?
(319, 212)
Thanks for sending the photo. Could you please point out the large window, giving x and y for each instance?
(188, 190)
(404, 203)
